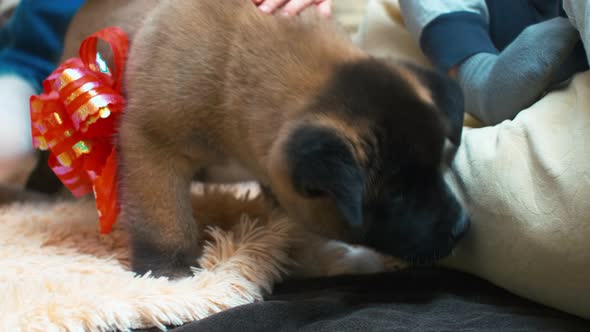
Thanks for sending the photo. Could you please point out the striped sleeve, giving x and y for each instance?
(449, 31)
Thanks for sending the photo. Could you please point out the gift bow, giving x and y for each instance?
(75, 119)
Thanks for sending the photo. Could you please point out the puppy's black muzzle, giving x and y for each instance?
(422, 228)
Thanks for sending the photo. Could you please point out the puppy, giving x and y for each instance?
(10, 194)
(351, 146)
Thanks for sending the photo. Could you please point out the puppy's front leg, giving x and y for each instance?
(156, 206)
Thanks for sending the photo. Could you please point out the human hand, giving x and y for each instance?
(294, 7)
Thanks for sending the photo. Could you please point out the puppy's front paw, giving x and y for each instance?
(163, 263)
(350, 259)
(172, 272)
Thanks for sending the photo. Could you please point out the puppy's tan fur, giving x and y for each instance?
(199, 95)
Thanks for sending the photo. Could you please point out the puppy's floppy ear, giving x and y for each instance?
(447, 96)
(322, 164)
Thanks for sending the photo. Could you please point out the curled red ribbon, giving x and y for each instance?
(75, 119)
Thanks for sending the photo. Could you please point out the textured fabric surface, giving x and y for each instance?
(58, 274)
(526, 183)
(421, 300)
(579, 14)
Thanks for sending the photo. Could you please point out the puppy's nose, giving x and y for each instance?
(461, 227)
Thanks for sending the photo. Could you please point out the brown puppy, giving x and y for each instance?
(13, 194)
(350, 145)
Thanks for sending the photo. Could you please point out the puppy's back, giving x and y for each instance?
(231, 62)
(217, 57)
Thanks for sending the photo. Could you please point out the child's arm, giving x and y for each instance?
(294, 7)
(31, 44)
(448, 31)
(497, 85)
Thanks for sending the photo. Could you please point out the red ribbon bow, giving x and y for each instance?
(75, 118)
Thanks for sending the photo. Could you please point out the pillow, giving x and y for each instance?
(525, 182)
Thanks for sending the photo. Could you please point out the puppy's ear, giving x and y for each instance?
(447, 96)
(322, 164)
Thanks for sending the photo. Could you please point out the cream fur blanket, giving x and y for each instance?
(58, 274)
(526, 183)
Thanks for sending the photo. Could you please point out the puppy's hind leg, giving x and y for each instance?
(156, 207)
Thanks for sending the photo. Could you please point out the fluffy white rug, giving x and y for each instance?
(57, 273)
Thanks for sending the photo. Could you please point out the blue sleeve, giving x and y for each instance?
(448, 31)
(451, 38)
(31, 43)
